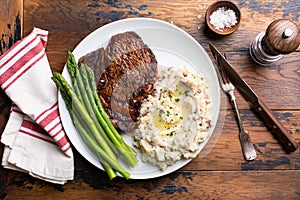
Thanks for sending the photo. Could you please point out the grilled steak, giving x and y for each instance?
(126, 71)
(96, 60)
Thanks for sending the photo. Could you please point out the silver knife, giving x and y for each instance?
(260, 108)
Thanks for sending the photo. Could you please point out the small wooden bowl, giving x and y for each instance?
(219, 4)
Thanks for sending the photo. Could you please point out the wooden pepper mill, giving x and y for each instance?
(281, 37)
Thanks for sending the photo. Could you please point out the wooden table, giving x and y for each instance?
(223, 173)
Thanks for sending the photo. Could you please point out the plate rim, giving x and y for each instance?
(137, 20)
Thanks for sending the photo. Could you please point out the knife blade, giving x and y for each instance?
(260, 108)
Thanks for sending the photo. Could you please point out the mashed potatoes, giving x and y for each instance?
(175, 120)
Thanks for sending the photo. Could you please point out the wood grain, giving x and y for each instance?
(11, 16)
(218, 173)
(81, 18)
(11, 23)
(179, 185)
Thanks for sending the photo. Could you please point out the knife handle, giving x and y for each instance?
(275, 127)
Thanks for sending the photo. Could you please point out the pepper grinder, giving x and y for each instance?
(281, 37)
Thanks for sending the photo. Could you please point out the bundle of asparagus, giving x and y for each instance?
(91, 120)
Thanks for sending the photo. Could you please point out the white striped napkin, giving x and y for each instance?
(29, 148)
(35, 143)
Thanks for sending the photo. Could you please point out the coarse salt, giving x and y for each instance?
(223, 18)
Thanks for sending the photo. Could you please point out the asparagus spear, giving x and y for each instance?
(84, 90)
(104, 115)
(129, 158)
(75, 104)
(72, 66)
(68, 101)
(80, 90)
(74, 72)
(81, 127)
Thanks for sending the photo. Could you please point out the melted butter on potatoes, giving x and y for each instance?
(175, 120)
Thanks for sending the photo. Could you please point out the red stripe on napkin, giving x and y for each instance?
(57, 132)
(46, 128)
(16, 49)
(54, 127)
(33, 126)
(34, 130)
(16, 110)
(15, 64)
(22, 65)
(64, 143)
(48, 118)
(37, 137)
(45, 114)
(23, 72)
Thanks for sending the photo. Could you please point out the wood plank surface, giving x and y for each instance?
(81, 18)
(11, 24)
(179, 185)
(222, 173)
(11, 16)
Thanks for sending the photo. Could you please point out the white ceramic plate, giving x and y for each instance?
(172, 47)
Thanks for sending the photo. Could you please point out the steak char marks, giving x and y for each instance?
(126, 71)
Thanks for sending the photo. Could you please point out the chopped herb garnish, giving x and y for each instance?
(171, 133)
(186, 93)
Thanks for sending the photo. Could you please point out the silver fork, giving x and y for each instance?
(246, 144)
